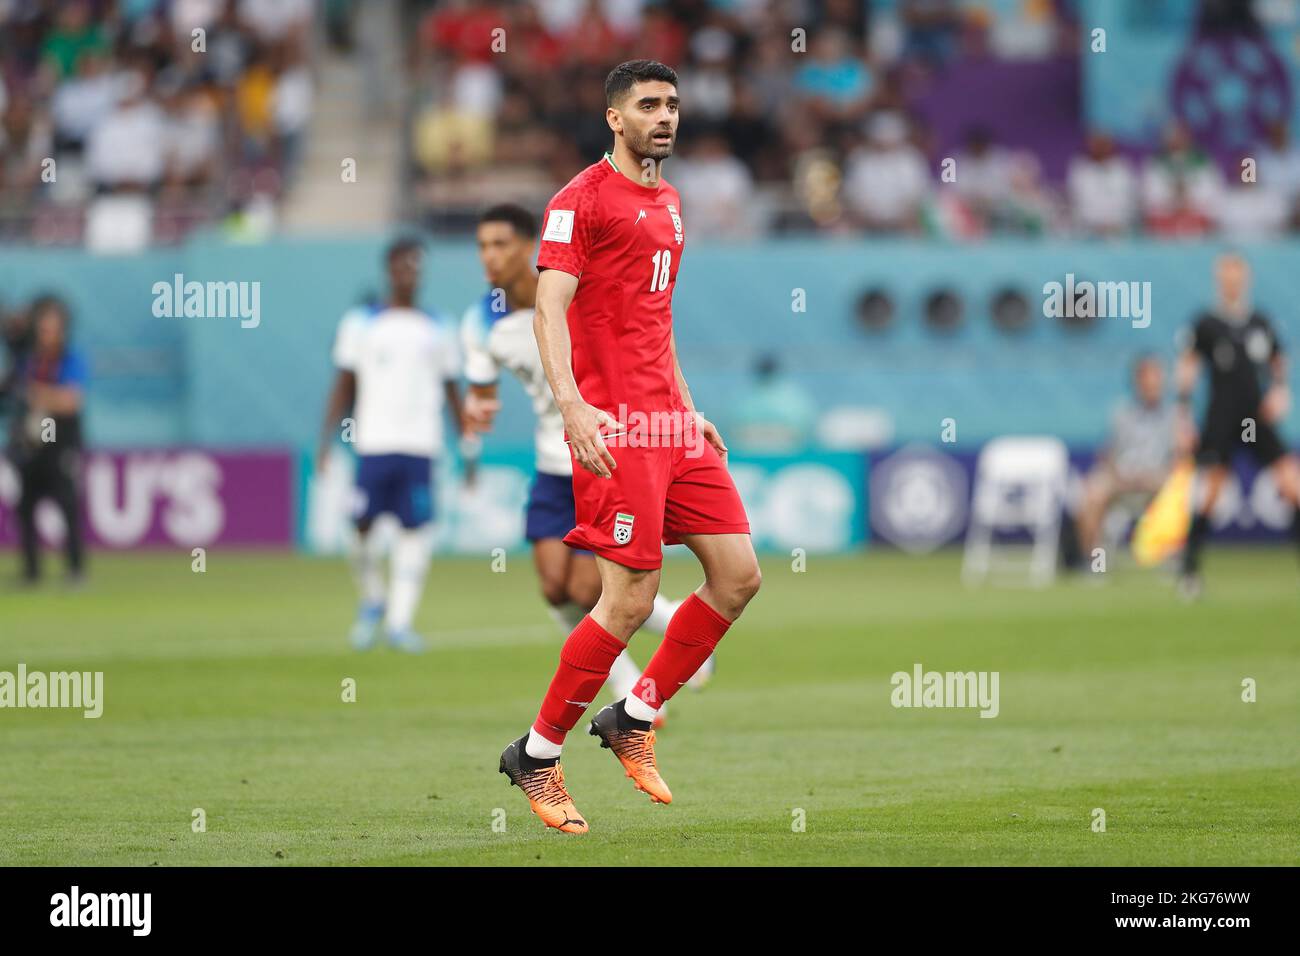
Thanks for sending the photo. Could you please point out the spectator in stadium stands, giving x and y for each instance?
(125, 149)
(292, 106)
(47, 440)
(1278, 171)
(933, 29)
(984, 173)
(1102, 188)
(887, 180)
(1145, 435)
(776, 415)
(193, 137)
(1181, 187)
(83, 99)
(836, 85)
(26, 139)
(717, 189)
(75, 34)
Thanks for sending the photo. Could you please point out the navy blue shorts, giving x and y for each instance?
(550, 512)
(400, 485)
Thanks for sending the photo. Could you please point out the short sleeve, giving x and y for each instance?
(347, 342)
(1202, 336)
(569, 227)
(480, 367)
(448, 355)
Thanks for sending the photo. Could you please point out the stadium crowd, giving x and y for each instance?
(193, 108)
(827, 141)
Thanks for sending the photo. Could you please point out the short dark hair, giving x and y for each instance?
(517, 217)
(400, 246)
(623, 77)
(49, 302)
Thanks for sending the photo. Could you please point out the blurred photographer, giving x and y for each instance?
(46, 390)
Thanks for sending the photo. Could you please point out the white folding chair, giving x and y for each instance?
(1019, 486)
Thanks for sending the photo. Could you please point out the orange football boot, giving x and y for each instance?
(634, 748)
(544, 788)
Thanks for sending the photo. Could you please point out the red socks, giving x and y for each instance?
(692, 634)
(585, 660)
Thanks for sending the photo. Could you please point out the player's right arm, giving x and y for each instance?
(582, 422)
(343, 393)
(1186, 372)
(341, 397)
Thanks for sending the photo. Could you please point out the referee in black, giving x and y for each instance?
(46, 439)
(1249, 396)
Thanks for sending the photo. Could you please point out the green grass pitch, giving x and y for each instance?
(223, 692)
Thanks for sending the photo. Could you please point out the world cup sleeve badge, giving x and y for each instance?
(622, 528)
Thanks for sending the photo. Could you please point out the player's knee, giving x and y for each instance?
(631, 611)
(554, 591)
(584, 593)
(738, 588)
(748, 584)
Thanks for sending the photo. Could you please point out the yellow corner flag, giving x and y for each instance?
(1162, 529)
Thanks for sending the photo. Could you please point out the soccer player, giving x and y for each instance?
(397, 366)
(1242, 351)
(651, 469)
(497, 333)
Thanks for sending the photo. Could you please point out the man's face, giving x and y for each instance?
(404, 272)
(49, 331)
(647, 119)
(1233, 276)
(1150, 382)
(503, 252)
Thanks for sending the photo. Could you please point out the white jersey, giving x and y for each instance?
(401, 359)
(492, 341)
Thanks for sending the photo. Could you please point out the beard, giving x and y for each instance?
(644, 145)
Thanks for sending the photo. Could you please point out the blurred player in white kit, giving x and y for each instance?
(398, 367)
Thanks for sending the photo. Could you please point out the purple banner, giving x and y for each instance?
(1018, 102)
(170, 498)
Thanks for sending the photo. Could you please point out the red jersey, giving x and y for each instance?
(624, 242)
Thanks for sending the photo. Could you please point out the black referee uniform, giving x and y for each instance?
(1238, 355)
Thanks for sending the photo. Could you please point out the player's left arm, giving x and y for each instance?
(706, 427)
(1277, 400)
(451, 388)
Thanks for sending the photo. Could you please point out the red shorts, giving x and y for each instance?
(655, 495)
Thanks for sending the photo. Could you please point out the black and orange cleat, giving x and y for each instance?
(633, 743)
(542, 782)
